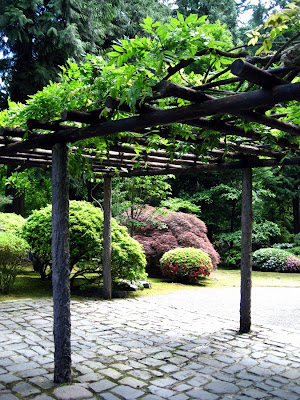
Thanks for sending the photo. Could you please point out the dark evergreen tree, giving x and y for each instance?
(130, 14)
(224, 11)
(38, 36)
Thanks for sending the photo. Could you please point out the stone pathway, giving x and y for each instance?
(145, 349)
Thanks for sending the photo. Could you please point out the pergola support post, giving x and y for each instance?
(107, 287)
(246, 255)
(61, 264)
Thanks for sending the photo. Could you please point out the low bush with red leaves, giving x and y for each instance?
(160, 232)
(185, 265)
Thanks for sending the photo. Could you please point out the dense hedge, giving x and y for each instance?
(12, 259)
(185, 264)
(272, 259)
(86, 242)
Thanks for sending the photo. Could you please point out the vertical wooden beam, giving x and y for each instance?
(246, 256)
(61, 264)
(107, 289)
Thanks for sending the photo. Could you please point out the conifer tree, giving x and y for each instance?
(37, 36)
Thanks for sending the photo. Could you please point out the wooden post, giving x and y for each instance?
(246, 256)
(107, 290)
(61, 264)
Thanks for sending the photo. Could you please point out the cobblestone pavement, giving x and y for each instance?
(145, 349)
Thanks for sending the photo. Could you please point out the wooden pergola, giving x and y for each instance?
(211, 107)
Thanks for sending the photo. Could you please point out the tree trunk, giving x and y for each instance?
(246, 257)
(107, 291)
(296, 215)
(61, 264)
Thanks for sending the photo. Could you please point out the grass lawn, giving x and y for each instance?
(29, 284)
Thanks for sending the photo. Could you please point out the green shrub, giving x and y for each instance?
(86, 242)
(177, 204)
(294, 250)
(296, 239)
(11, 222)
(12, 259)
(282, 246)
(278, 260)
(185, 264)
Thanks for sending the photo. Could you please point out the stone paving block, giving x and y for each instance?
(162, 355)
(280, 379)
(109, 396)
(43, 382)
(291, 374)
(201, 394)
(178, 360)
(195, 366)
(250, 377)
(111, 373)
(141, 374)
(261, 371)
(22, 366)
(163, 382)
(32, 372)
(127, 392)
(183, 375)
(25, 389)
(221, 387)
(285, 395)
(152, 397)
(169, 368)
(295, 389)
(43, 397)
(255, 393)
(211, 362)
(8, 396)
(135, 383)
(90, 377)
(224, 359)
(151, 362)
(101, 386)
(5, 354)
(180, 396)
(223, 377)
(198, 380)
(162, 392)
(72, 392)
(276, 360)
(182, 387)
(9, 378)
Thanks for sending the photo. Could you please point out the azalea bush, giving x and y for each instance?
(12, 259)
(278, 260)
(185, 264)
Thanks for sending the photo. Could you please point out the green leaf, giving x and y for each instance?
(118, 48)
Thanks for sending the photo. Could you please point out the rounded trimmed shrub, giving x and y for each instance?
(185, 264)
(11, 222)
(12, 259)
(86, 241)
(277, 260)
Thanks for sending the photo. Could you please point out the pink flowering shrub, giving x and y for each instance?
(278, 260)
(185, 264)
(160, 232)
